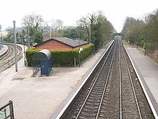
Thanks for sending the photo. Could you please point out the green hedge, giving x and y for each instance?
(63, 57)
(29, 55)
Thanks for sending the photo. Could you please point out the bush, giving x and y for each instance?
(29, 55)
(63, 57)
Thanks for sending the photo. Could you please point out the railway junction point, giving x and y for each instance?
(39, 97)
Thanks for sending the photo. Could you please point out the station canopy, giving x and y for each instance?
(42, 55)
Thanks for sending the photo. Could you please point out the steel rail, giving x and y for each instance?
(120, 78)
(134, 92)
(107, 97)
(106, 83)
(96, 78)
(7, 59)
(7, 54)
(60, 112)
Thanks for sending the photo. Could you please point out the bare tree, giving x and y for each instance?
(32, 25)
(33, 20)
(56, 27)
(53, 28)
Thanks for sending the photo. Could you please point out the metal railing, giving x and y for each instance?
(35, 70)
(7, 111)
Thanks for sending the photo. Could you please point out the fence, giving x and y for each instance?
(7, 112)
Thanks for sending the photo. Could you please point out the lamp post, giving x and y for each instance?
(80, 49)
(24, 41)
(15, 47)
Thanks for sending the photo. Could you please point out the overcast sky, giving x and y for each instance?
(69, 11)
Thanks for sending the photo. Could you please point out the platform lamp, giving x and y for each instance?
(24, 41)
(80, 49)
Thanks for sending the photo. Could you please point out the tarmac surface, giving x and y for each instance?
(39, 97)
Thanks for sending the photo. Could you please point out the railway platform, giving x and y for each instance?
(3, 50)
(148, 74)
(39, 97)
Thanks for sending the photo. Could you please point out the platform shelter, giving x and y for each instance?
(44, 58)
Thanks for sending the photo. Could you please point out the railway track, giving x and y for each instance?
(141, 104)
(111, 92)
(8, 53)
(7, 59)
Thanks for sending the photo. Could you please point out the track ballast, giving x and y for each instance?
(112, 91)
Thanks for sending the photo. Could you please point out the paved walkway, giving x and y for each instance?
(40, 97)
(148, 70)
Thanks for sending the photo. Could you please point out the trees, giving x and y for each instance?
(142, 33)
(53, 28)
(32, 24)
(9, 38)
(71, 32)
(133, 31)
(151, 29)
(32, 21)
(56, 27)
(97, 28)
(37, 36)
(34, 28)
(94, 28)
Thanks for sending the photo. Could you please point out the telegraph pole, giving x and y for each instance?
(15, 47)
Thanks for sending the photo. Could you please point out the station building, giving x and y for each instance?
(60, 43)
